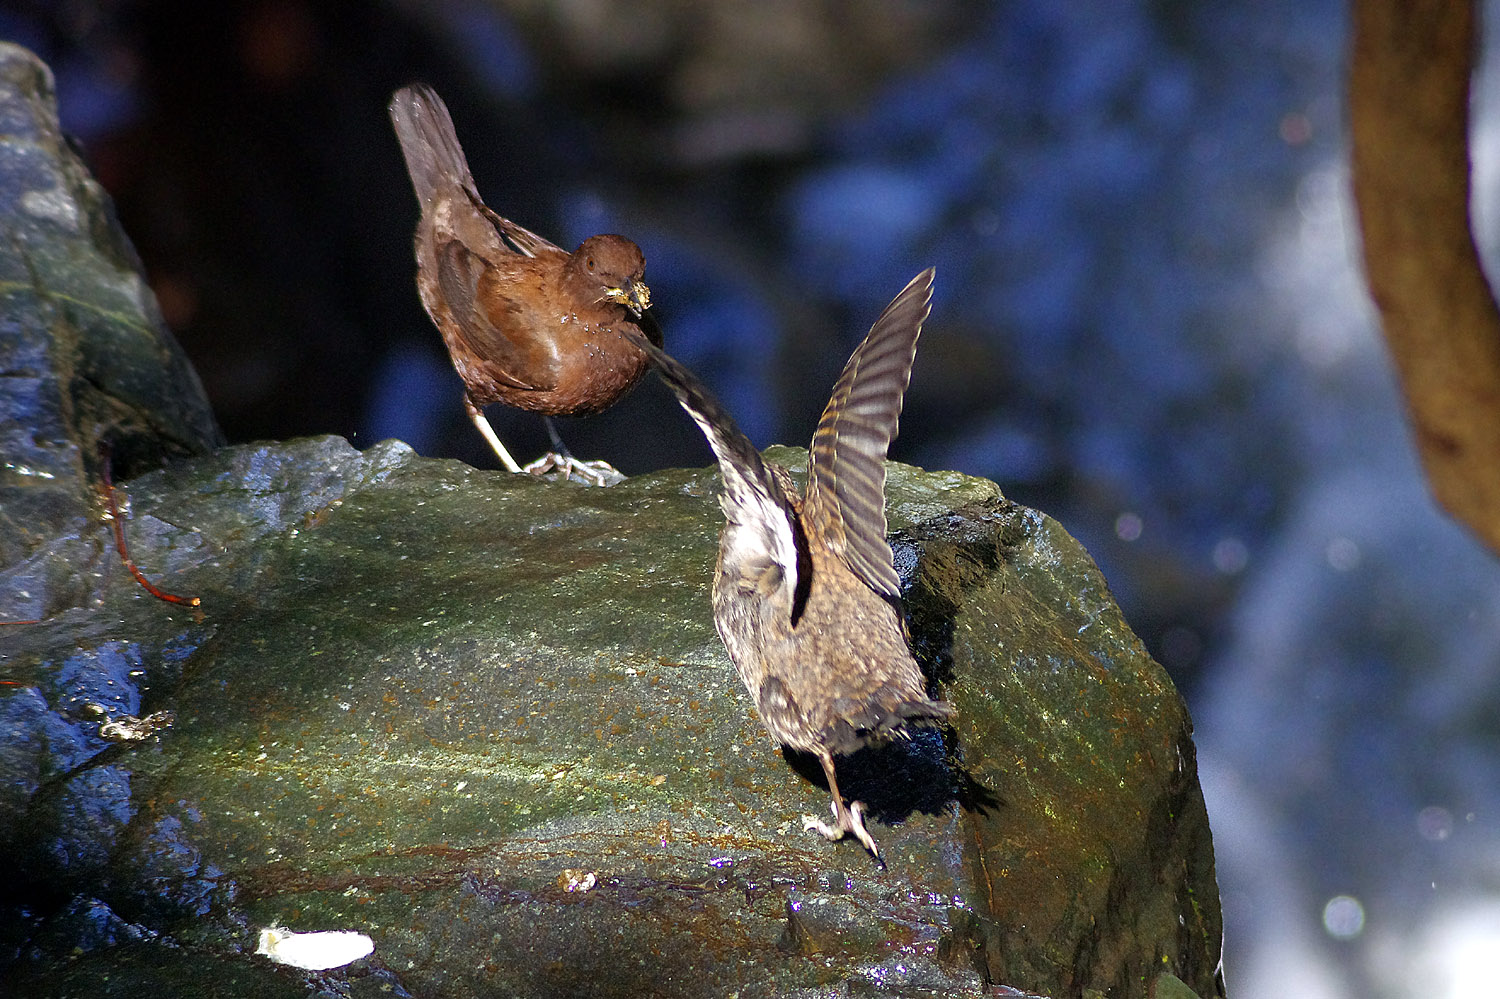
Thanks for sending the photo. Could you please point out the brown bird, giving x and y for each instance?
(806, 597)
(526, 323)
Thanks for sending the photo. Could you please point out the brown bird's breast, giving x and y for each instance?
(519, 338)
(591, 365)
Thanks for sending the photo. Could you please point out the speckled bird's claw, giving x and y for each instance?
(847, 822)
(811, 823)
(593, 473)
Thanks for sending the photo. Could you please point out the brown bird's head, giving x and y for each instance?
(614, 268)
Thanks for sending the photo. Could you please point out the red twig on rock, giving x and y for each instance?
(119, 525)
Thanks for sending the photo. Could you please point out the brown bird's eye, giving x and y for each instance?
(589, 263)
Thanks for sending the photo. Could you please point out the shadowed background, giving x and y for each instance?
(1149, 323)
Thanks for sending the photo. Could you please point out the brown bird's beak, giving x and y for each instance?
(635, 296)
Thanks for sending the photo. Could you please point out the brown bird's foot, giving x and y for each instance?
(593, 473)
(846, 822)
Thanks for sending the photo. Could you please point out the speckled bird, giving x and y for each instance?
(806, 597)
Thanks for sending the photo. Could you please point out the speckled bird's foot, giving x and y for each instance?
(593, 473)
(846, 822)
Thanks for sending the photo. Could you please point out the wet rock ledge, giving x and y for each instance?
(485, 720)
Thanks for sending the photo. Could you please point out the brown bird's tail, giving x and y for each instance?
(434, 158)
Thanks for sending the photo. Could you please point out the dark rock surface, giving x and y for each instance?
(485, 719)
(84, 355)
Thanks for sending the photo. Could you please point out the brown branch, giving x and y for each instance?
(1409, 114)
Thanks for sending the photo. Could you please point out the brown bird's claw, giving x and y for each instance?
(846, 822)
(592, 473)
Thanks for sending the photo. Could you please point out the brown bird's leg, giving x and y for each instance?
(488, 433)
(847, 821)
(560, 459)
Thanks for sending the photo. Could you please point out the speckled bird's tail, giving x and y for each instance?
(882, 719)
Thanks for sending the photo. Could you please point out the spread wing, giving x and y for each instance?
(846, 477)
(763, 552)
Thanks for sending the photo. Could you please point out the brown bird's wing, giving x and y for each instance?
(763, 554)
(424, 128)
(459, 274)
(523, 241)
(845, 504)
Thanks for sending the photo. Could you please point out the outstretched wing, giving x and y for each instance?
(763, 553)
(846, 479)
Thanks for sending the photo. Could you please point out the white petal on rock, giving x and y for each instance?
(313, 951)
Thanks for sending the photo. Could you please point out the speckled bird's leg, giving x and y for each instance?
(847, 821)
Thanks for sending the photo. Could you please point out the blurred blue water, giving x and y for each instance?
(1094, 184)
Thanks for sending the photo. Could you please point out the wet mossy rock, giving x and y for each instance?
(485, 719)
(84, 355)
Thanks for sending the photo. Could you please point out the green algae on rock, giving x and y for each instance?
(486, 720)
